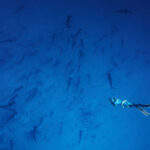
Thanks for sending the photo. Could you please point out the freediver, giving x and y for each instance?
(126, 104)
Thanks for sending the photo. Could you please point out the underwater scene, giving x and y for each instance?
(74, 75)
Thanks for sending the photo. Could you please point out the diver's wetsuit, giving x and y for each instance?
(126, 104)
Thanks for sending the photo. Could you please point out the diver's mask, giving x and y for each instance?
(112, 100)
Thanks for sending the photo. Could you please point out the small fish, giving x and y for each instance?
(77, 83)
(69, 68)
(104, 36)
(76, 34)
(109, 77)
(89, 77)
(81, 43)
(122, 43)
(79, 67)
(34, 130)
(102, 50)
(74, 42)
(11, 143)
(19, 9)
(13, 98)
(9, 40)
(114, 63)
(75, 37)
(61, 128)
(34, 133)
(7, 106)
(80, 136)
(2, 61)
(21, 60)
(124, 11)
(69, 82)
(36, 72)
(11, 116)
(54, 35)
(32, 94)
(17, 89)
(81, 54)
(71, 71)
(69, 64)
(69, 21)
(56, 63)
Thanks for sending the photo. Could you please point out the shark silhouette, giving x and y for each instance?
(124, 11)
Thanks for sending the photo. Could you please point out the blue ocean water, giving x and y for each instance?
(61, 61)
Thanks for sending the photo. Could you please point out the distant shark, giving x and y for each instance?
(124, 11)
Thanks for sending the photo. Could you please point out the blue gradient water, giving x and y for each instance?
(60, 62)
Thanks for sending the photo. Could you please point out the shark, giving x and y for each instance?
(124, 11)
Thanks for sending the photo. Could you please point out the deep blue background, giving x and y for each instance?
(54, 85)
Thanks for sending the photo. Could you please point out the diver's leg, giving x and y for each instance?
(142, 105)
(143, 111)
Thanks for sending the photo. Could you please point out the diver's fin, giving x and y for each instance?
(146, 105)
(143, 111)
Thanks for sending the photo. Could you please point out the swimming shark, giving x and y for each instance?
(124, 11)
